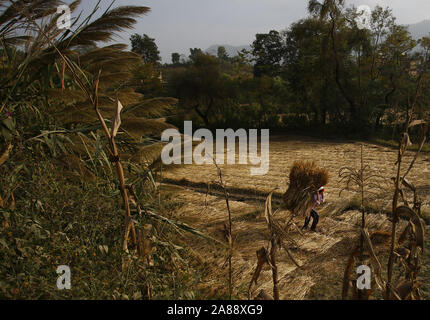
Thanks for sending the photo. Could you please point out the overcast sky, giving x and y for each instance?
(178, 25)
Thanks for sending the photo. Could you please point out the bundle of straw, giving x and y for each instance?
(305, 179)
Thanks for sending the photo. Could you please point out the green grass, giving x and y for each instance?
(354, 204)
(395, 144)
(59, 221)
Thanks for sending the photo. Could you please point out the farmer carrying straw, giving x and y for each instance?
(318, 200)
(304, 193)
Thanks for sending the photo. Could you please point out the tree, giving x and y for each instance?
(325, 8)
(331, 11)
(307, 67)
(222, 53)
(176, 58)
(268, 51)
(263, 98)
(201, 87)
(194, 53)
(146, 48)
(242, 67)
(367, 63)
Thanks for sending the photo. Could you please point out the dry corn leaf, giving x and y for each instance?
(348, 272)
(117, 119)
(268, 209)
(263, 295)
(416, 123)
(408, 213)
(404, 234)
(5, 154)
(406, 142)
(376, 264)
(12, 202)
(404, 289)
(403, 252)
(262, 258)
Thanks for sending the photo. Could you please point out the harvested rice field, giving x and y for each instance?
(321, 256)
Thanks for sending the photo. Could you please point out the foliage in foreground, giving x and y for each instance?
(59, 199)
(58, 219)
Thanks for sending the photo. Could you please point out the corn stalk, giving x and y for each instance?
(228, 232)
(269, 255)
(404, 143)
(361, 182)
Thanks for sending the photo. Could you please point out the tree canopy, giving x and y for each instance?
(145, 47)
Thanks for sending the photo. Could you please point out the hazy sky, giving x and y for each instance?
(178, 25)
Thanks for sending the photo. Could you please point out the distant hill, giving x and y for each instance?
(231, 50)
(420, 29)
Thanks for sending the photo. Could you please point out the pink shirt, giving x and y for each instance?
(318, 198)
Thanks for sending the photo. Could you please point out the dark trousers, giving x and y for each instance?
(315, 218)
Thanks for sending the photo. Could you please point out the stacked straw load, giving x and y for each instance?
(305, 180)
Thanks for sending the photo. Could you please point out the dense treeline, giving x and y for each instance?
(323, 72)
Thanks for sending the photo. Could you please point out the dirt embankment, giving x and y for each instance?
(322, 255)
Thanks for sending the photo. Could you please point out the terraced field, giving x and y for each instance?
(321, 256)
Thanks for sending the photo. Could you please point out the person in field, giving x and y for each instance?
(318, 200)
